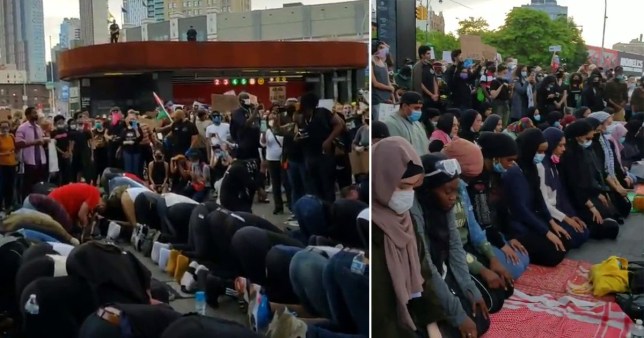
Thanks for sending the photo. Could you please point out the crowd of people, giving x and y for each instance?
(484, 173)
(89, 185)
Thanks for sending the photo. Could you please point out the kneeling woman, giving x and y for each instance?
(544, 239)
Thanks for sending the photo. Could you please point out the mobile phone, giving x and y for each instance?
(160, 136)
(263, 126)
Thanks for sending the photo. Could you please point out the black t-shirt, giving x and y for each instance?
(574, 95)
(115, 131)
(314, 132)
(191, 34)
(114, 275)
(148, 321)
(293, 149)
(239, 183)
(182, 132)
(428, 79)
(504, 95)
(62, 138)
(130, 135)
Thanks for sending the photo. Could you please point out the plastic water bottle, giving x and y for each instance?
(200, 303)
(32, 307)
(637, 331)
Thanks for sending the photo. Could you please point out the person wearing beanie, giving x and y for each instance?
(471, 122)
(438, 217)
(378, 131)
(606, 155)
(554, 194)
(544, 239)
(446, 130)
(492, 123)
(406, 122)
(484, 262)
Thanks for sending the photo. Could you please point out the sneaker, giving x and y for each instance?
(259, 312)
(286, 325)
(113, 231)
(156, 249)
(292, 225)
(189, 278)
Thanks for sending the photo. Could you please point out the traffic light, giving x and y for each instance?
(424, 14)
(419, 12)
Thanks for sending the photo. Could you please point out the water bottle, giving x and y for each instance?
(200, 303)
(637, 331)
(32, 306)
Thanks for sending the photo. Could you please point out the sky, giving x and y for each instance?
(623, 15)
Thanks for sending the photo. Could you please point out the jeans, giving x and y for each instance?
(309, 212)
(278, 178)
(306, 272)
(321, 176)
(515, 270)
(122, 180)
(296, 175)
(131, 162)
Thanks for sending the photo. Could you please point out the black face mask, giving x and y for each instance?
(158, 157)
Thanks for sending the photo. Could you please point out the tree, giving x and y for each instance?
(473, 26)
(440, 41)
(527, 34)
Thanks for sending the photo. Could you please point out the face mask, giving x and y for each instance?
(557, 124)
(464, 76)
(538, 158)
(99, 126)
(586, 143)
(73, 127)
(246, 102)
(555, 159)
(415, 116)
(537, 118)
(60, 126)
(158, 157)
(498, 168)
(524, 74)
(382, 53)
(401, 201)
(216, 120)
(622, 139)
(271, 123)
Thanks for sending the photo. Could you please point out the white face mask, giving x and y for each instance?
(271, 123)
(401, 201)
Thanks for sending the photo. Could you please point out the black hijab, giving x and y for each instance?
(445, 123)
(579, 113)
(572, 162)
(467, 121)
(528, 142)
(490, 123)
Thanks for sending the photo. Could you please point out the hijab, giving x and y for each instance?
(443, 129)
(553, 136)
(573, 160)
(467, 120)
(521, 125)
(391, 158)
(579, 113)
(617, 131)
(553, 117)
(490, 123)
(528, 142)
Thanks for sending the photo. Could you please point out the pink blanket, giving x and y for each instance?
(526, 316)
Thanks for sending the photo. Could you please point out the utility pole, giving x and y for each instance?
(604, 30)
(427, 22)
(52, 108)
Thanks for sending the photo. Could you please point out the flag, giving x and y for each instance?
(163, 114)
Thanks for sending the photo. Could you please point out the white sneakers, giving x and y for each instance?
(156, 249)
(113, 231)
(164, 255)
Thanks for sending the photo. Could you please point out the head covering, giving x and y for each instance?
(578, 128)
(467, 154)
(443, 129)
(579, 113)
(379, 130)
(529, 142)
(497, 145)
(521, 125)
(553, 136)
(490, 123)
(617, 131)
(467, 120)
(411, 97)
(551, 174)
(391, 158)
(600, 116)
(568, 119)
(554, 116)
(594, 123)
(437, 180)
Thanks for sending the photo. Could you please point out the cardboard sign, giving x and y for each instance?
(386, 109)
(447, 56)
(5, 115)
(359, 162)
(224, 103)
(253, 99)
(327, 103)
(471, 47)
(489, 52)
(230, 92)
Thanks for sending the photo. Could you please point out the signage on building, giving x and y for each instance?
(277, 94)
(633, 64)
(64, 93)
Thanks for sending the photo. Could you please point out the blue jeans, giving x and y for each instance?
(122, 180)
(515, 270)
(306, 272)
(296, 177)
(309, 212)
(131, 162)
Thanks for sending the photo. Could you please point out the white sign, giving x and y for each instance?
(447, 56)
(632, 65)
(326, 103)
(386, 109)
(555, 48)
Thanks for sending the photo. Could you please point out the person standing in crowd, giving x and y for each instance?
(8, 164)
(159, 173)
(428, 85)
(616, 94)
(31, 141)
(113, 135)
(99, 148)
(146, 147)
(274, 148)
(184, 134)
(637, 98)
(460, 80)
(131, 145)
(593, 94)
(202, 123)
(317, 130)
(382, 91)
(52, 156)
(218, 132)
(500, 94)
(82, 167)
(64, 149)
(406, 122)
(294, 156)
(521, 82)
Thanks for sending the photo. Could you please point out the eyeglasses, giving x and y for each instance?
(449, 167)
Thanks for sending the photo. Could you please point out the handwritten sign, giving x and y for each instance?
(471, 47)
(224, 103)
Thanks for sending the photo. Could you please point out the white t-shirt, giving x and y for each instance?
(273, 146)
(134, 192)
(172, 199)
(62, 248)
(218, 134)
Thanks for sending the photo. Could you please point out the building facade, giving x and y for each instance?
(156, 10)
(9, 74)
(134, 11)
(549, 7)
(94, 22)
(70, 30)
(11, 96)
(202, 7)
(636, 46)
(436, 22)
(335, 21)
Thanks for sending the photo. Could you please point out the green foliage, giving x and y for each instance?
(473, 26)
(440, 41)
(527, 34)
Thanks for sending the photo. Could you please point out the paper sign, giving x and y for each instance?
(230, 92)
(277, 94)
(253, 99)
(386, 109)
(224, 103)
(471, 47)
(555, 48)
(359, 162)
(447, 56)
(326, 103)
(489, 52)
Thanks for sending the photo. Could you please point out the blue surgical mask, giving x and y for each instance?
(216, 119)
(415, 116)
(538, 158)
(524, 74)
(557, 124)
(498, 168)
(537, 118)
(587, 143)
(622, 139)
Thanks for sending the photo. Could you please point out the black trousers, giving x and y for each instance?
(321, 171)
(541, 250)
(65, 173)
(178, 216)
(200, 326)
(145, 209)
(8, 176)
(278, 178)
(482, 324)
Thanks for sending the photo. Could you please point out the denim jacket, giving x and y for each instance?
(476, 235)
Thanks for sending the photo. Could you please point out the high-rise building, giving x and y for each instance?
(550, 7)
(70, 29)
(94, 22)
(134, 11)
(156, 9)
(201, 7)
(23, 40)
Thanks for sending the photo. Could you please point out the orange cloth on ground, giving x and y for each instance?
(7, 143)
(73, 195)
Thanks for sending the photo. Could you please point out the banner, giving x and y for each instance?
(609, 60)
(633, 64)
